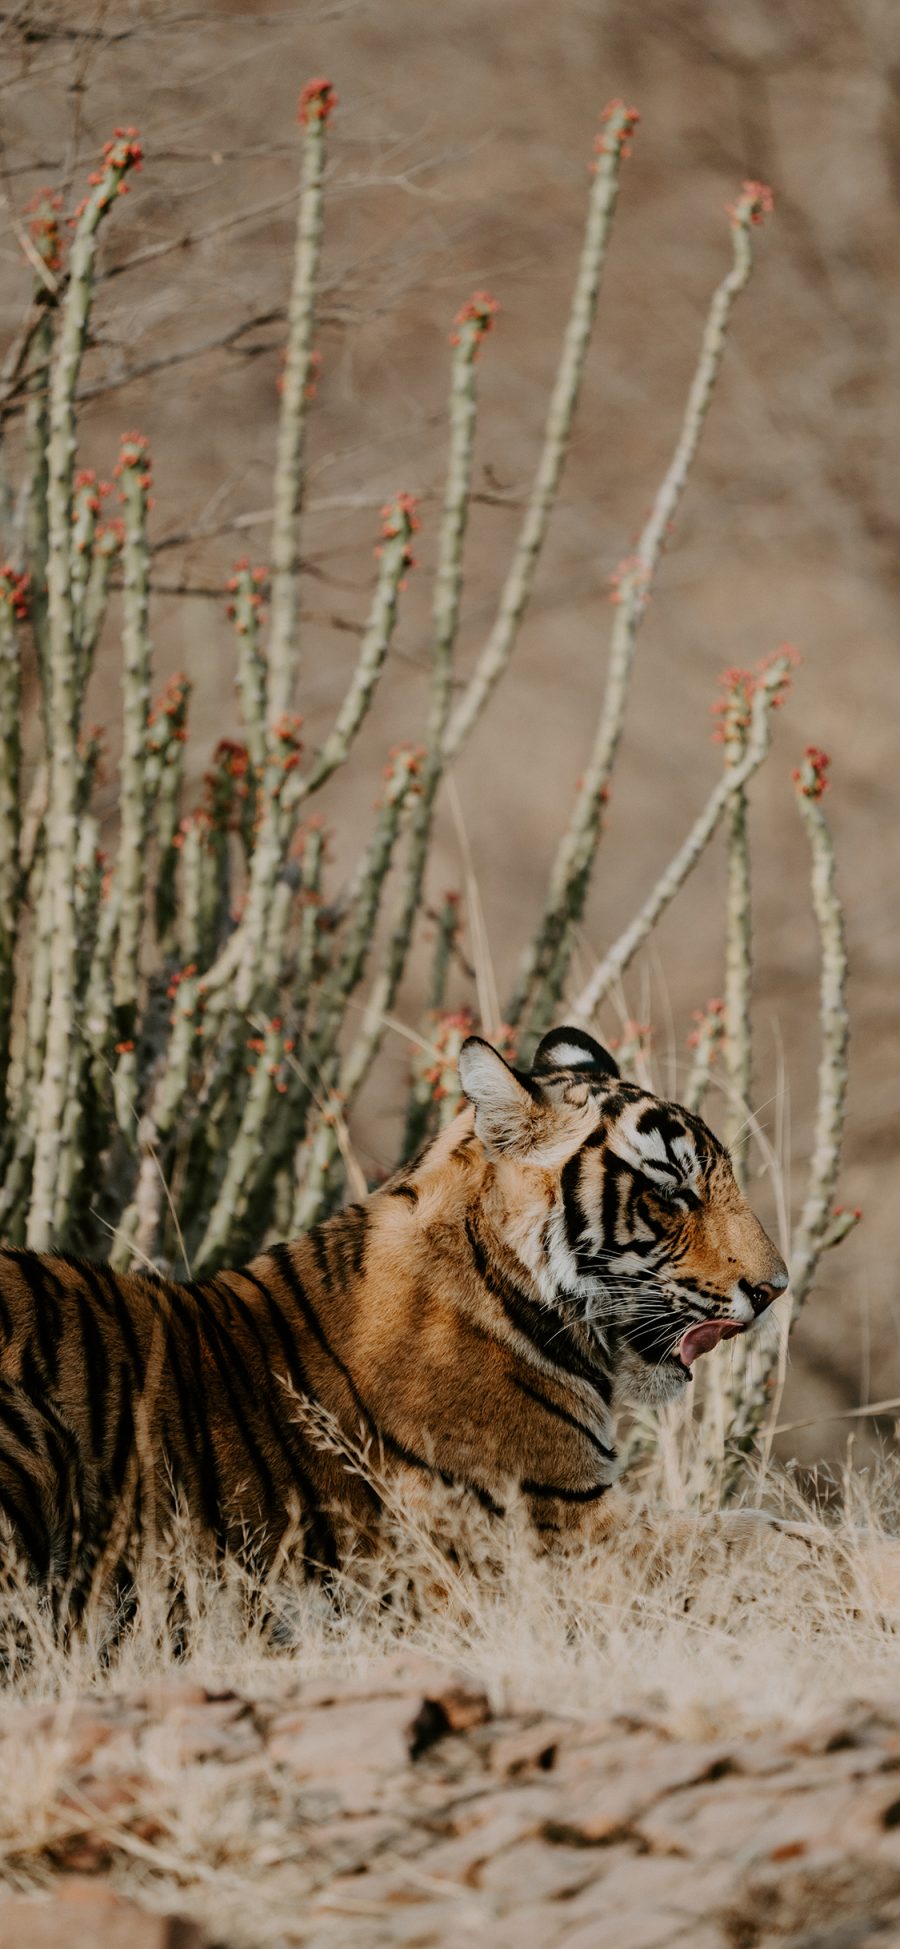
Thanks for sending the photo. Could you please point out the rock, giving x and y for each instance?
(82, 1915)
(528, 1749)
(455, 1709)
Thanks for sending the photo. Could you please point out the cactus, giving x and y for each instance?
(184, 1030)
(120, 156)
(546, 960)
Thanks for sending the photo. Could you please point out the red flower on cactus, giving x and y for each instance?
(755, 203)
(124, 150)
(734, 710)
(181, 974)
(287, 733)
(134, 458)
(109, 536)
(452, 1028)
(621, 122)
(710, 1026)
(811, 777)
(399, 519)
(249, 586)
(89, 493)
(399, 513)
(226, 785)
(405, 764)
(630, 582)
(316, 102)
(45, 228)
(784, 653)
(479, 312)
(506, 1039)
(14, 590)
(121, 156)
(169, 713)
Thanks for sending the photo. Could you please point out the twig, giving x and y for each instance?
(151, 253)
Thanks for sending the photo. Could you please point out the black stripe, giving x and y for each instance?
(541, 1325)
(195, 1422)
(321, 1536)
(357, 1217)
(657, 1118)
(60, 1443)
(611, 1107)
(403, 1191)
(33, 1379)
(6, 1325)
(17, 1422)
(281, 1256)
(477, 1249)
(31, 1527)
(562, 1414)
(547, 1489)
(229, 1374)
(319, 1242)
(226, 1300)
(47, 1316)
(123, 1442)
(569, 1179)
(96, 1364)
(105, 1288)
(287, 1339)
(610, 1200)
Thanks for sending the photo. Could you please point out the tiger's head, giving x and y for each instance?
(623, 1208)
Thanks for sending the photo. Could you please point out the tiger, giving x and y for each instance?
(568, 1246)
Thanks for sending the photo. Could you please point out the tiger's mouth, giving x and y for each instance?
(702, 1338)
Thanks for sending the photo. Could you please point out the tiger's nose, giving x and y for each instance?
(762, 1295)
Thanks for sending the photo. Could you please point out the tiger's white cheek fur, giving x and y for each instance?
(637, 1385)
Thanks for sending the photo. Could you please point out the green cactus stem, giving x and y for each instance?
(549, 951)
(122, 155)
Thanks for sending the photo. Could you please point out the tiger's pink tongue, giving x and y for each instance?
(699, 1339)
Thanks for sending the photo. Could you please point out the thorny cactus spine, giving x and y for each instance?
(181, 1038)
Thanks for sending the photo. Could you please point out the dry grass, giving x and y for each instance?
(720, 1645)
(756, 1631)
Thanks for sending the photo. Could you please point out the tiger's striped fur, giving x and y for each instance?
(479, 1319)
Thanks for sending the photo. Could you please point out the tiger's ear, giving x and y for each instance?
(506, 1112)
(572, 1049)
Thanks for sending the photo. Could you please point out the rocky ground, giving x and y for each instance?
(405, 1808)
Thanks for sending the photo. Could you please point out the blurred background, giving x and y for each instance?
(459, 159)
